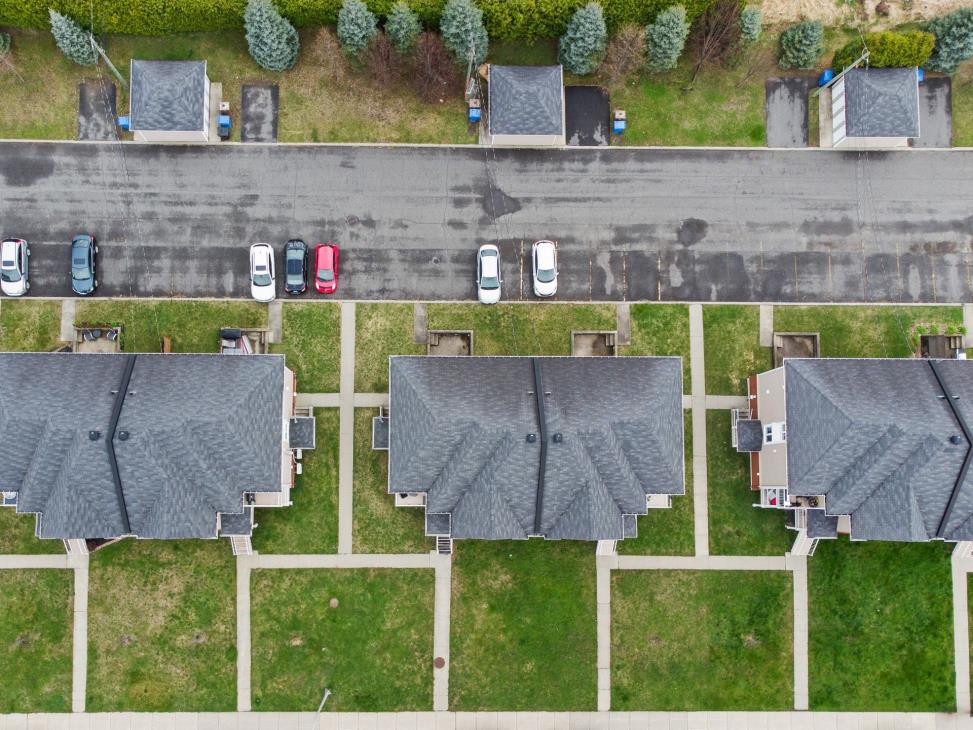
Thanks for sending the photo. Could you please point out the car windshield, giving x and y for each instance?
(545, 276)
(9, 274)
(325, 275)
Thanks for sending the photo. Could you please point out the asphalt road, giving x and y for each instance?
(705, 225)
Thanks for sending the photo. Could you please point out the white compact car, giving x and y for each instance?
(14, 267)
(263, 287)
(544, 255)
(488, 279)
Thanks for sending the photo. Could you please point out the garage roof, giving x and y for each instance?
(526, 100)
(882, 102)
(168, 96)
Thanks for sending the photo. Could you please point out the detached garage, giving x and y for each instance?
(875, 108)
(169, 101)
(526, 106)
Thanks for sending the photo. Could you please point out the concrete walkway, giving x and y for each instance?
(441, 627)
(766, 325)
(962, 564)
(79, 651)
(318, 400)
(604, 565)
(68, 308)
(275, 321)
(27, 562)
(798, 563)
(357, 560)
(346, 428)
(242, 634)
(968, 325)
(698, 562)
(697, 371)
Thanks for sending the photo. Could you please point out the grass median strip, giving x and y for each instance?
(523, 628)
(35, 640)
(29, 325)
(731, 341)
(310, 524)
(381, 330)
(661, 329)
(701, 640)
(312, 344)
(367, 635)
(161, 627)
(881, 627)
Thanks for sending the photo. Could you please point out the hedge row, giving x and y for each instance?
(504, 19)
(887, 49)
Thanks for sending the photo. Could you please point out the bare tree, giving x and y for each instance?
(383, 63)
(626, 53)
(435, 75)
(717, 35)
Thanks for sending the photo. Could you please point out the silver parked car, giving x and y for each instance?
(488, 278)
(544, 256)
(263, 286)
(14, 267)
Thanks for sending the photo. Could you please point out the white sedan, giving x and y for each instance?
(544, 255)
(488, 277)
(263, 287)
(14, 267)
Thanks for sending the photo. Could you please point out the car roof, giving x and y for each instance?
(325, 253)
(490, 265)
(545, 255)
(8, 247)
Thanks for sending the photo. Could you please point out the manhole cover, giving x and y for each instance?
(439, 662)
(435, 259)
(352, 220)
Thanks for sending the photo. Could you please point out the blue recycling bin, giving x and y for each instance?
(825, 78)
(921, 74)
(474, 114)
(124, 123)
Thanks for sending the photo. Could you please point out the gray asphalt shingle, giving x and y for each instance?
(526, 100)
(882, 102)
(168, 96)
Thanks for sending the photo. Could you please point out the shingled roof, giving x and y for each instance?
(886, 442)
(607, 432)
(526, 100)
(168, 96)
(192, 433)
(882, 102)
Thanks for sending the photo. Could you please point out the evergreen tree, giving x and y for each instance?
(801, 44)
(357, 26)
(666, 38)
(582, 47)
(74, 42)
(954, 40)
(461, 26)
(751, 23)
(271, 38)
(403, 27)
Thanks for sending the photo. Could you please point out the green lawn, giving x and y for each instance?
(380, 526)
(35, 640)
(702, 640)
(736, 527)
(17, 535)
(29, 325)
(881, 627)
(310, 524)
(312, 344)
(731, 341)
(374, 651)
(161, 627)
(963, 106)
(381, 330)
(869, 331)
(194, 326)
(322, 99)
(661, 329)
(669, 531)
(521, 329)
(523, 626)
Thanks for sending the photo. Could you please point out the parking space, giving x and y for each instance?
(586, 116)
(935, 112)
(259, 112)
(96, 111)
(786, 99)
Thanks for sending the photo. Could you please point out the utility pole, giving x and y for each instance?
(104, 57)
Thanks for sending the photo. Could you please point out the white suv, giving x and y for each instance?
(14, 267)
(544, 255)
(263, 286)
(488, 279)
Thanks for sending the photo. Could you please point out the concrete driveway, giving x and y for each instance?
(635, 224)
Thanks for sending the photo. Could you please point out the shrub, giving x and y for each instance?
(74, 42)
(434, 74)
(666, 38)
(751, 23)
(383, 62)
(800, 45)
(626, 52)
(272, 40)
(4, 44)
(954, 40)
(582, 47)
(403, 27)
(357, 26)
(887, 50)
(462, 30)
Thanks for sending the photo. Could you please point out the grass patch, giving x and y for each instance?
(523, 626)
(381, 330)
(29, 325)
(374, 651)
(312, 344)
(310, 524)
(17, 536)
(161, 627)
(322, 99)
(701, 640)
(193, 326)
(35, 640)
(379, 526)
(736, 527)
(963, 106)
(869, 331)
(521, 329)
(669, 531)
(731, 341)
(661, 329)
(881, 627)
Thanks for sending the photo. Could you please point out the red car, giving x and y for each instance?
(326, 268)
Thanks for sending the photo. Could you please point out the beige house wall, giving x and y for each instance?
(771, 407)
